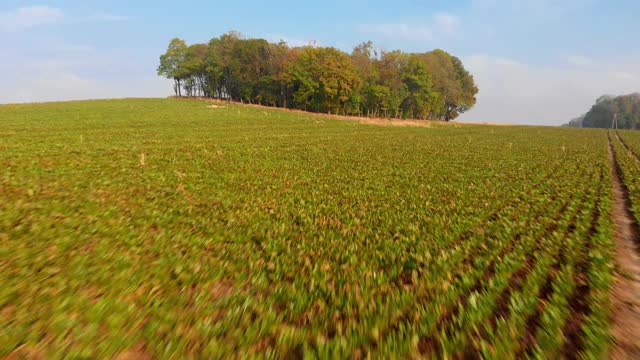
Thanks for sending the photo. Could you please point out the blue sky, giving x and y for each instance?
(535, 61)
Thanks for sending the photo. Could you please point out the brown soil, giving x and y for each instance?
(626, 289)
(138, 352)
(360, 119)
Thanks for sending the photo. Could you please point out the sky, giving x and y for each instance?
(536, 62)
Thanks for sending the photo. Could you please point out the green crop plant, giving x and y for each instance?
(173, 229)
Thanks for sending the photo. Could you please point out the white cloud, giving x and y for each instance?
(623, 75)
(580, 61)
(294, 42)
(29, 17)
(69, 86)
(106, 17)
(56, 46)
(441, 25)
(47, 85)
(25, 18)
(56, 86)
(447, 23)
(399, 31)
(548, 9)
(514, 92)
(53, 70)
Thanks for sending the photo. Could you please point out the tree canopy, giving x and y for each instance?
(432, 85)
(626, 108)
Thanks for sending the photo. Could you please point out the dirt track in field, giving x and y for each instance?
(361, 119)
(626, 289)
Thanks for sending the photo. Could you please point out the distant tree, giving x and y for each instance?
(454, 83)
(577, 122)
(228, 64)
(195, 70)
(249, 67)
(172, 63)
(419, 100)
(214, 70)
(363, 58)
(626, 108)
(433, 85)
(285, 76)
(324, 80)
(467, 98)
(390, 83)
(271, 88)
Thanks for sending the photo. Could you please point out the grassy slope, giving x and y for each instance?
(171, 228)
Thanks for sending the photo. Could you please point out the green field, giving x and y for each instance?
(168, 229)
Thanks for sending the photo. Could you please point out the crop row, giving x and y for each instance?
(628, 163)
(560, 249)
(176, 230)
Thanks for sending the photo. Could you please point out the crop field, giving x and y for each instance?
(160, 228)
(626, 146)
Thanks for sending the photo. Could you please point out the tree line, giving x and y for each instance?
(367, 82)
(625, 108)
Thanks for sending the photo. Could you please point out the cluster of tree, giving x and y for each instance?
(367, 82)
(576, 122)
(626, 110)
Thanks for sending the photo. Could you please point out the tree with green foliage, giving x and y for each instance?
(390, 83)
(363, 59)
(625, 108)
(172, 63)
(195, 70)
(452, 81)
(419, 100)
(324, 80)
(432, 85)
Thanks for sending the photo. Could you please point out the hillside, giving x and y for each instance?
(162, 228)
